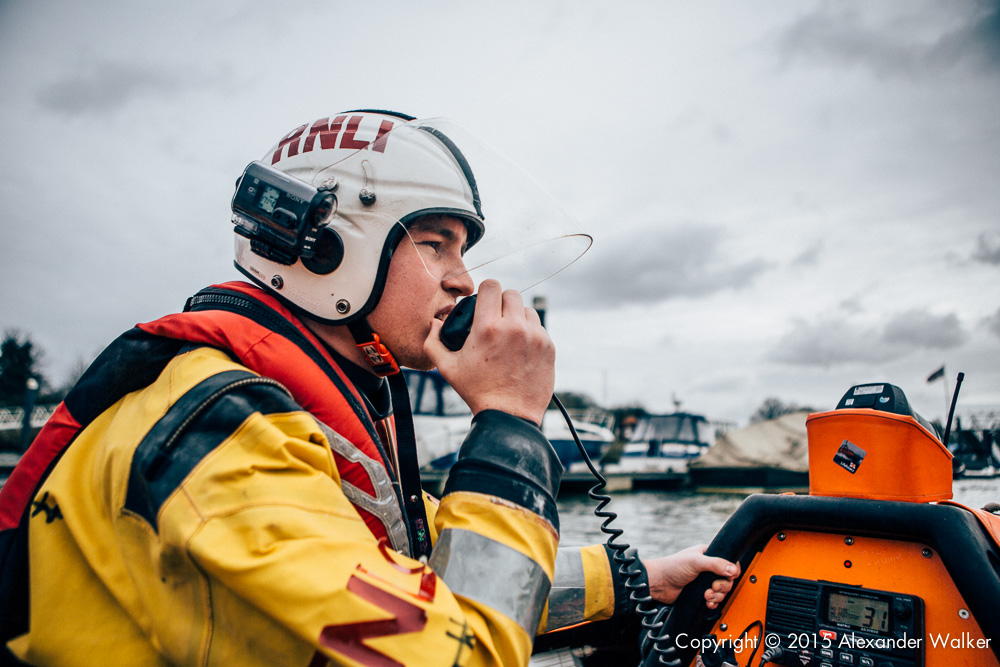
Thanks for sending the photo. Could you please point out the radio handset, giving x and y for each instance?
(458, 324)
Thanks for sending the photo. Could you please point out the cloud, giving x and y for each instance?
(809, 256)
(835, 341)
(851, 306)
(899, 46)
(828, 343)
(653, 266)
(993, 323)
(107, 86)
(988, 248)
(977, 41)
(919, 328)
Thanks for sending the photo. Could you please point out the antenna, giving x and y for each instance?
(951, 412)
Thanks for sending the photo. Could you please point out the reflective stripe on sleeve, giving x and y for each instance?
(493, 574)
(568, 597)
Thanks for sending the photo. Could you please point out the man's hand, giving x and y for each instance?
(670, 574)
(508, 361)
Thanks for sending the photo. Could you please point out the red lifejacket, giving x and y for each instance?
(265, 351)
(256, 341)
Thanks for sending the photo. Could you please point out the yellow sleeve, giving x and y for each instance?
(583, 588)
(295, 577)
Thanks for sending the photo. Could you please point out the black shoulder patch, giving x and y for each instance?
(132, 361)
(194, 426)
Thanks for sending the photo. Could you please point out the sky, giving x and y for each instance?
(786, 198)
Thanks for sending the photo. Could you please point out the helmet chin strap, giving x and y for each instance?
(403, 443)
(379, 357)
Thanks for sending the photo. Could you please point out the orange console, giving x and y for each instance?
(874, 446)
(870, 569)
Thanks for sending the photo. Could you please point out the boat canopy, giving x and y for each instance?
(777, 443)
(679, 427)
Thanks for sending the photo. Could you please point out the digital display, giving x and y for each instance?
(269, 199)
(861, 613)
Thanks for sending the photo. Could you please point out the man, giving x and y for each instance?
(228, 485)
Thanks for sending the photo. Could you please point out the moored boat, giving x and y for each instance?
(977, 453)
(664, 444)
(441, 420)
(596, 439)
(769, 455)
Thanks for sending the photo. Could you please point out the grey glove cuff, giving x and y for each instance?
(508, 457)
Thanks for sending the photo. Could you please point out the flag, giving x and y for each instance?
(936, 374)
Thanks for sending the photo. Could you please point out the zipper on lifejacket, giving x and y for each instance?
(163, 452)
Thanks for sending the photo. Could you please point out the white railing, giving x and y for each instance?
(10, 418)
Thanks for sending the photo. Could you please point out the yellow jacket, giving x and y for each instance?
(202, 520)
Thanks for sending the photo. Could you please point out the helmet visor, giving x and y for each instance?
(412, 174)
(527, 236)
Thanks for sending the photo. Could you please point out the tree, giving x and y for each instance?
(772, 408)
(19, 361)
(73, 376)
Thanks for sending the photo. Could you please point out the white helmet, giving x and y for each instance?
(384, 169)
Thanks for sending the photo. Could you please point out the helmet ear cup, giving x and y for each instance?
(329, 253)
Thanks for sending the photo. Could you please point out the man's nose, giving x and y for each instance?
(461, 284)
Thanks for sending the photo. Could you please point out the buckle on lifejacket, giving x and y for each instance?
(379, 356)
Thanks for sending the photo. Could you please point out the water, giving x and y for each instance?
(662, 522)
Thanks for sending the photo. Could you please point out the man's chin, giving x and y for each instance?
(419, 361)
(419, 365)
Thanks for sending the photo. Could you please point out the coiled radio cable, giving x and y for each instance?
(653, 616)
